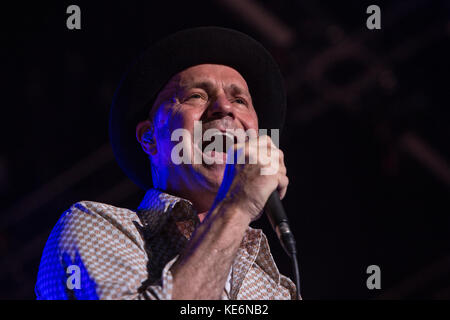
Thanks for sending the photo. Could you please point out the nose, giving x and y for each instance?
(220, 108)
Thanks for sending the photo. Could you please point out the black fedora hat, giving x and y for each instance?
(179, 51)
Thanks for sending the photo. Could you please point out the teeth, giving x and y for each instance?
(228, 135)
(228, 140)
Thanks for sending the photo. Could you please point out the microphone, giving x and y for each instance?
(280, 223)
(278, 219)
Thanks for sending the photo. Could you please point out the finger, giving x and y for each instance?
(282, 169)
(283, 182)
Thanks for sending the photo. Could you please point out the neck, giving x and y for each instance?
(202, 200)
(201, 196)
(202, 216)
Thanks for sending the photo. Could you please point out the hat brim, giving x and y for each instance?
(179, 51)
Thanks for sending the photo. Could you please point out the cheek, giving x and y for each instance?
(250, 120)
(167, 120)
(178, 117)
(182, 116)
(185, 118)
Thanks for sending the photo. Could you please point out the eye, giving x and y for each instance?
(241, 101)
(195, 96)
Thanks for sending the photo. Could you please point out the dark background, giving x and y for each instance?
(366, 138)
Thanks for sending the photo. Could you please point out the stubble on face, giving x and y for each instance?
(218, 86)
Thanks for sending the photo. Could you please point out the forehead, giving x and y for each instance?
(214, 73)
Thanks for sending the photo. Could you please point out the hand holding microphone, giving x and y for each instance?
(257, 171)
(257, 185)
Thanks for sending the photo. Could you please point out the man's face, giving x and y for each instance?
(218, 96)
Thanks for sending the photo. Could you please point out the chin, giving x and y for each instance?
(211, 169)
(213, 175)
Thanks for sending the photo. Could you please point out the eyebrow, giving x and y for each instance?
(235, 89)
(209, 86)
(205, 85)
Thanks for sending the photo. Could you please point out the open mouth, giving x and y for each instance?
(214, 146)
(220, 142)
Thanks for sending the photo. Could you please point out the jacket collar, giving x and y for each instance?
(157, 207)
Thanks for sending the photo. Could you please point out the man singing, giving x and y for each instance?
(190, 237)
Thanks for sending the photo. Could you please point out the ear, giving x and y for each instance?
(145, 136)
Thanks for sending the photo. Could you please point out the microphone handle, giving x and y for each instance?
(278, 219)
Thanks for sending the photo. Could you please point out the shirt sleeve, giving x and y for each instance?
(91, 254)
